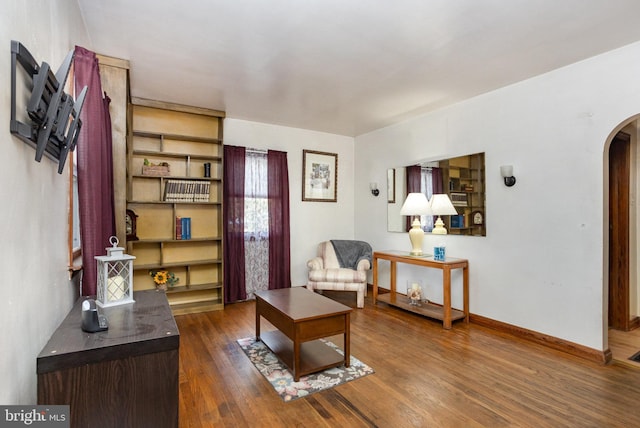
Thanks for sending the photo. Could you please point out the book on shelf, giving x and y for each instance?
(176, 190)
(186, 228)
(458, 221)
(458, 199)
(178, 227)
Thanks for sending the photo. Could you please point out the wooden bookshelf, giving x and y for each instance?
(183, 139)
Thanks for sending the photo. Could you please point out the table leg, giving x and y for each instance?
(347, 340)
(446, 285)
(465, 293)
(392, 280)
(258, 305)
(375, 279)
(296, 358)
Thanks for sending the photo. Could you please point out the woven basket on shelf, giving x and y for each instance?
(156, 170)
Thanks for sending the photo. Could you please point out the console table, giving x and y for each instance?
(126, 376)
(444, 312)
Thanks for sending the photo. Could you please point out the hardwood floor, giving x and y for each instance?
(624, 344)
(469, 376)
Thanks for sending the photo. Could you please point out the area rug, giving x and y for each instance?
(281, 378)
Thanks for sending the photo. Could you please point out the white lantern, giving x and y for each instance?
(115, 276)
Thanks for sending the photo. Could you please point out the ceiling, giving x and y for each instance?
(346, 66)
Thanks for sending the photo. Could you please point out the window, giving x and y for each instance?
(75, 250)
(426, 187)
(74, 245)
(256, 202)
(256, 222)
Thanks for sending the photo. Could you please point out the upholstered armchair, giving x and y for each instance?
(341, 265)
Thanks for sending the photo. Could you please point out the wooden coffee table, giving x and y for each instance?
(302, 317)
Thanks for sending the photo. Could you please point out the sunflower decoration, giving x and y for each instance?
(163, 278)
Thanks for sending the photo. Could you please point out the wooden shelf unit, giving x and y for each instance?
(426, 309)
(185, 138)
(464, 179)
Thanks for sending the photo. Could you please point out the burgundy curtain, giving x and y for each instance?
(279, 234)
(95, 167)
(413, 178)
(233, 220)
(436, 181)
(437, 185)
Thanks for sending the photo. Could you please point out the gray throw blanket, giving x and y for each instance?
(349, 253)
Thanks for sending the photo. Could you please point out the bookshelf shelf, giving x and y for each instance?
(182, 289)
(174, 203)
(185, 263)
(153, 153)
(186, 241)
(175, 177)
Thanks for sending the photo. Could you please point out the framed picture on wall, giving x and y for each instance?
(319, 176)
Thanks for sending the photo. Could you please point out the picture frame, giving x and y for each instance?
(391, 185)
(319, 176)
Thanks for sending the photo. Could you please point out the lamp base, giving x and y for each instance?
(439, 228)
(416, 235)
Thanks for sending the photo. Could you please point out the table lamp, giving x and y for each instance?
(416, 205)
(441, 205)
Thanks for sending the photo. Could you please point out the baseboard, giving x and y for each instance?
(601, 357)
(635, 323)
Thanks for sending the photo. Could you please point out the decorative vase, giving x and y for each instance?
(414, 293)
(162, 287)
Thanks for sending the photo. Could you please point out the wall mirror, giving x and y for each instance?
(462, 178)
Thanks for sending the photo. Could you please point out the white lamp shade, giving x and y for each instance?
(416, 204)
(441, 205)
(506, 171)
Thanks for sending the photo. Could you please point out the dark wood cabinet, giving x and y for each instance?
(126, 376)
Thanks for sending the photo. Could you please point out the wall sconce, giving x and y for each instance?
(374, 189)
(506, 171)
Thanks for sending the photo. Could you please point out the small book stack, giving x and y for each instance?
(183, 228)
(186, 191)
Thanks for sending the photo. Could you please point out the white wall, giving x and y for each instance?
(311, 222)
(36, 291)
(541, 265)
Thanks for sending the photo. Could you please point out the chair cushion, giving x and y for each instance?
(337, 275)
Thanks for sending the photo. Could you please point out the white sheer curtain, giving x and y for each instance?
(426, 187)
(256, 223)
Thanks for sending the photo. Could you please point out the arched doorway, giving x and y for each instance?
(619, 233)
(622, 235)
